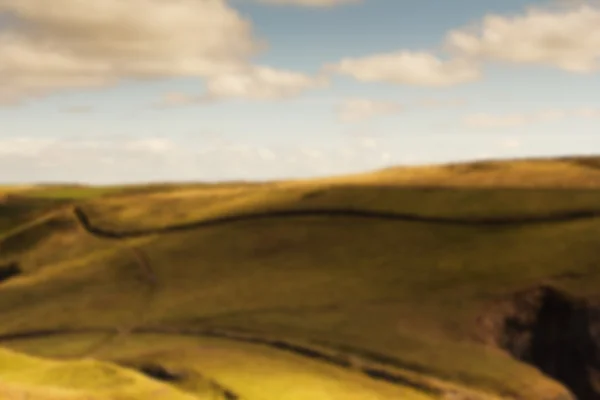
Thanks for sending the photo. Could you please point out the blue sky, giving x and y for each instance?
(250, 89)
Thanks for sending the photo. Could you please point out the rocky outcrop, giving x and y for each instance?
(552, 330)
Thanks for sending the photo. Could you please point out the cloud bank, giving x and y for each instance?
(123, 159)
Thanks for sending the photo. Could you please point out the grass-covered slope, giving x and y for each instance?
(26, 377)
(367, 287)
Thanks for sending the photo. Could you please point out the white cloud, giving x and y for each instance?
(250, 83)
(95, 43)
(23, 146)
(41, 147)
(410, 68)
(311, 153)
(127, 159)
(358, 109)
(485, 120)
(310, 3)
(153, 145)
(90, 44)
(588, 112)
(266, 154)
(568, 39)
(369, 143)
(177, 99)
(436, 102)
(81, 109)
(571, 3)
(511, 143)
(122, 159)
(550, 115)
(261, 83)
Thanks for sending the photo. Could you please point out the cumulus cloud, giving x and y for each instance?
(410, 68)
(568, 39)
(359, 109)
(310, 3)
(261, 83)
(90, 44)
(95, 43)
(250, 83)
(564, 37)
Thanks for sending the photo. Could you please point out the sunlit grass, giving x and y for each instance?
(24, 376)
(409, 290)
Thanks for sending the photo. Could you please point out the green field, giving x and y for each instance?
(474, 281)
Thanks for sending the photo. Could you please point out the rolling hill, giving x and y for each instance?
(467, 281)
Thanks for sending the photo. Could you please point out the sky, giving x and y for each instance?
(121, 91)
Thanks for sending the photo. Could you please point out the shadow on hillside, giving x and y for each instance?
(8, 271)
(15, 210)
(26, 239)
(166, 374)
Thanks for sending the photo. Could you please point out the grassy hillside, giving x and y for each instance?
(391, 285)
(33, 378)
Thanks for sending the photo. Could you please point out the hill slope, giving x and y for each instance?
(365, 287)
